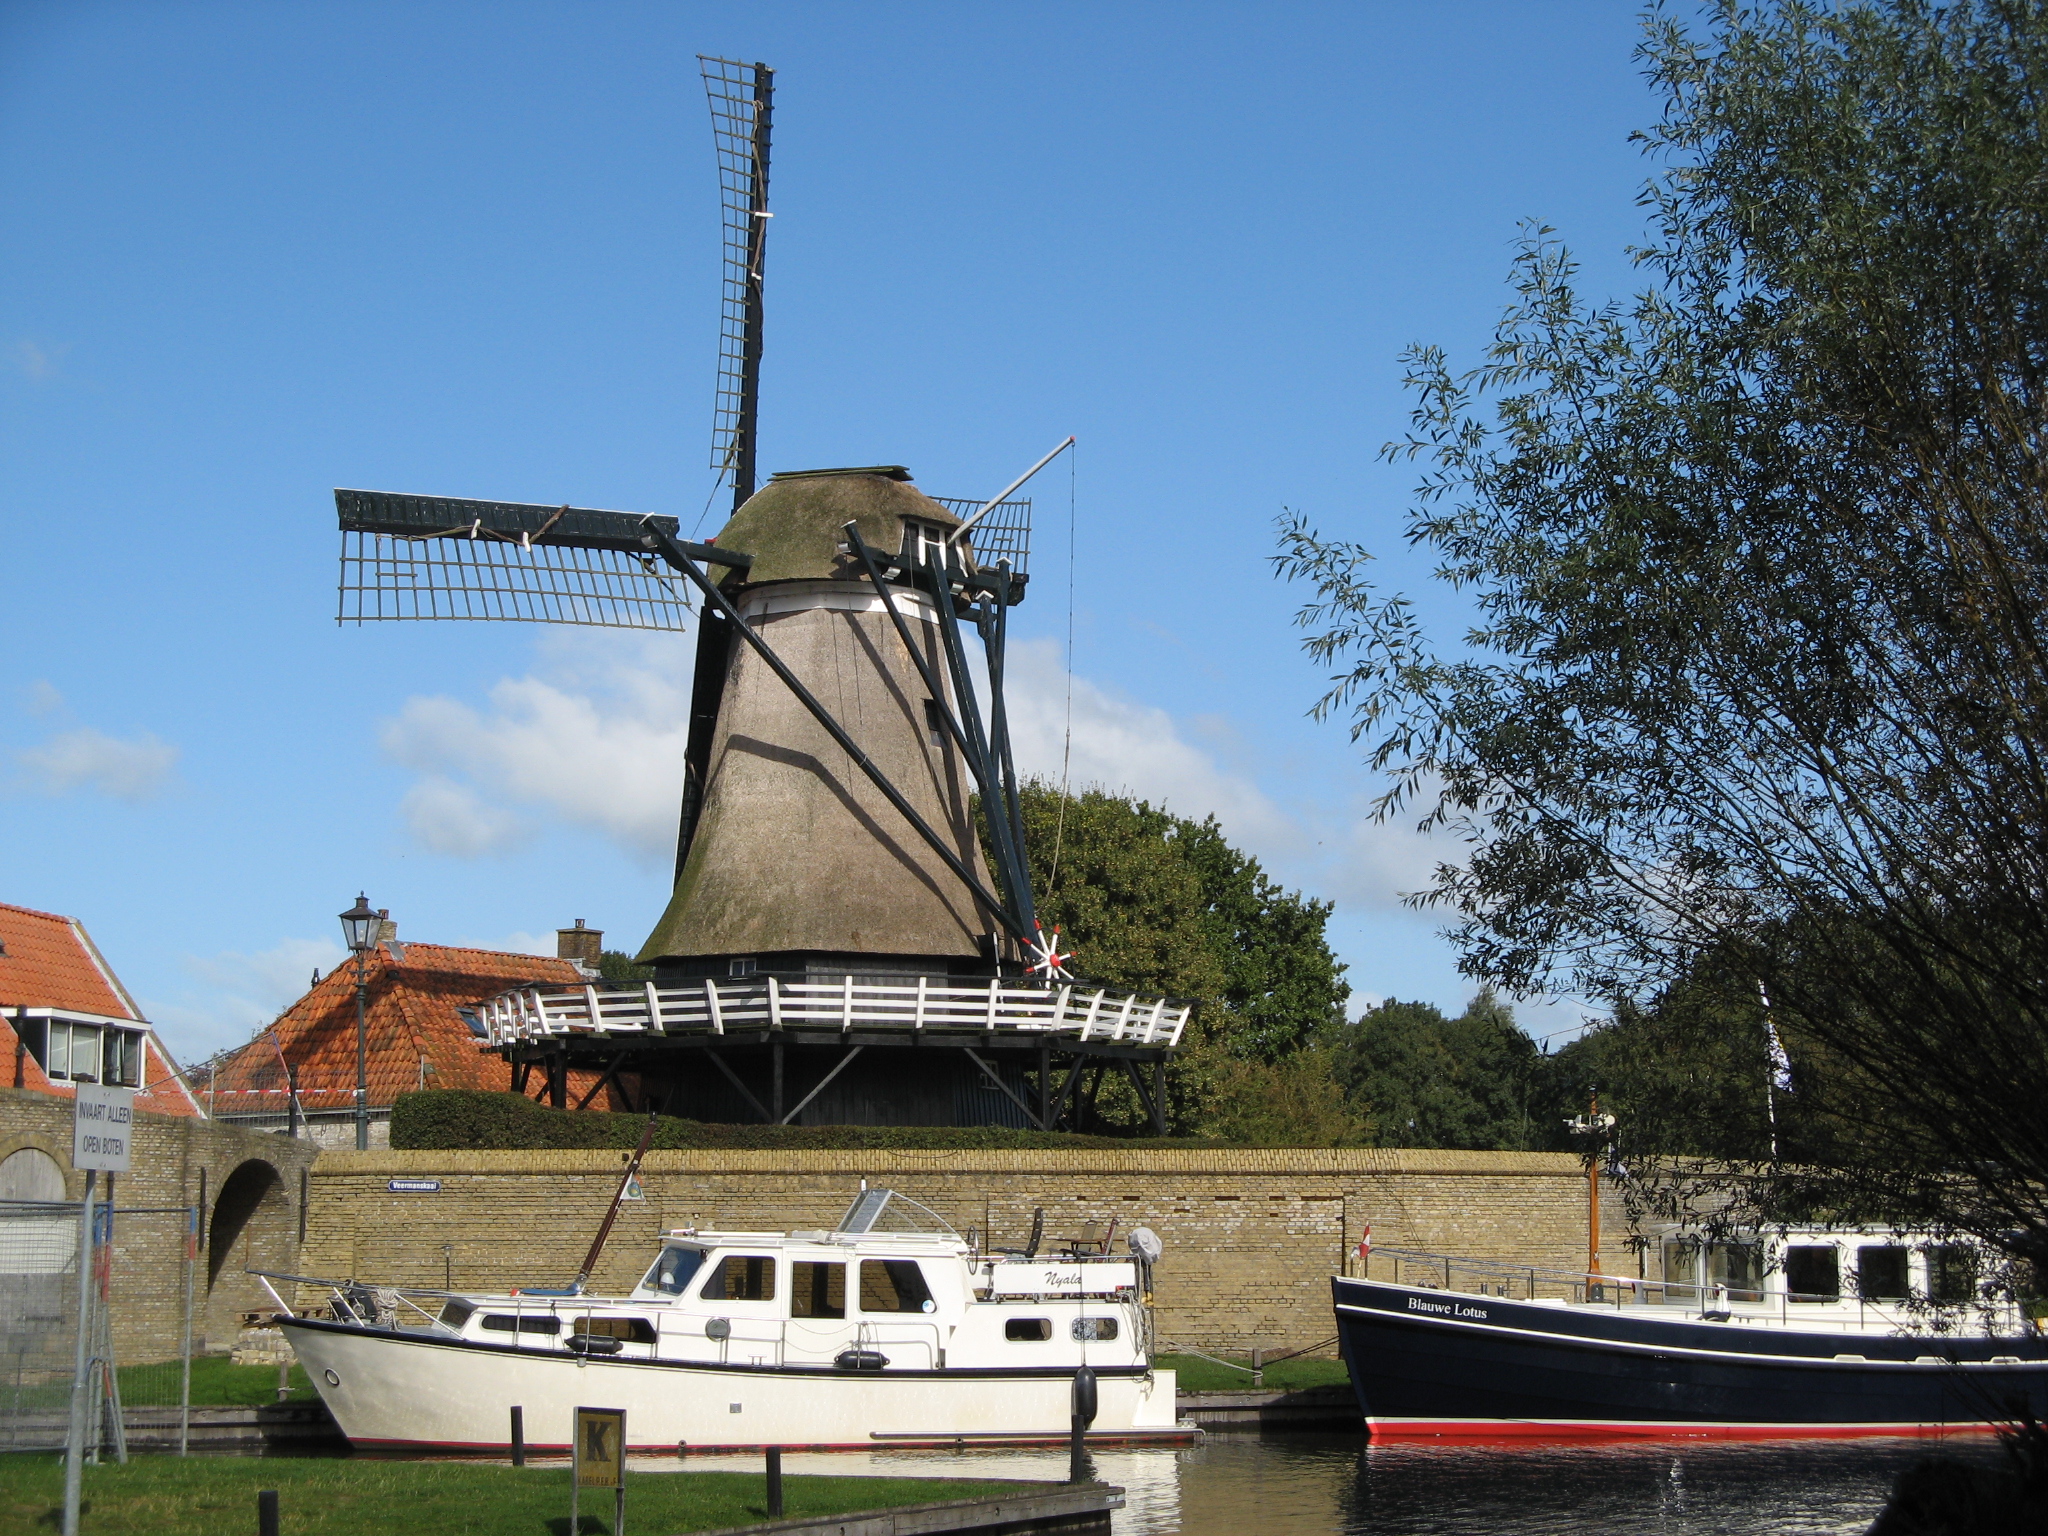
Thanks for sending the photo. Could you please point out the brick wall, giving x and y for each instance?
(1251, 1236)
(247, 1183)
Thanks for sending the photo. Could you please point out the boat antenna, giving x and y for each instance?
(612, 1213)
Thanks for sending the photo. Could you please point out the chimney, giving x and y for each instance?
(581, 944)
(387, 930)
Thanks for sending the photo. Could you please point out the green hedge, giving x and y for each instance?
(464, 1119)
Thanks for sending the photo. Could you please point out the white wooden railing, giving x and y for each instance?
(713, 1007)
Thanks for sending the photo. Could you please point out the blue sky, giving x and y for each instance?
(253, 252)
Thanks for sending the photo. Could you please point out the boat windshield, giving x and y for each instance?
(885, 1210)
(673, 1270)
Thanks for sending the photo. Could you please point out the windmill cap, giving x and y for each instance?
(886, 471)
(794, 526)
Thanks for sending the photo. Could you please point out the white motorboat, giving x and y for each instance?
(862, 1336)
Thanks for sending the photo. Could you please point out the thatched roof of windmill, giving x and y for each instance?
(793, 525)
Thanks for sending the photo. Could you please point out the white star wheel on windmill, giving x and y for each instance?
(1049, 964)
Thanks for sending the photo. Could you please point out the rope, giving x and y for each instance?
(1067, 746)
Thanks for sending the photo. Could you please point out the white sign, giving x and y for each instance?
(100, 1127)
(1070, 1277)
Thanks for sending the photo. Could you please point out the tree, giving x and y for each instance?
(1425, 1080)
(1159, 903)
(1759, 562)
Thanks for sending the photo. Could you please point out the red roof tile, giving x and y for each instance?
(49, 961)
(414, 1035)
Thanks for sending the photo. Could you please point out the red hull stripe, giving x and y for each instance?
(1536, 1431)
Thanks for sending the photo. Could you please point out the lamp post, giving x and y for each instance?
(359, 927)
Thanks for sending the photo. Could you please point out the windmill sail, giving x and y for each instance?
(444, 557)
(742, 100)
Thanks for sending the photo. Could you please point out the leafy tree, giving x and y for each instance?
(1156, 902)
(616, 966)
(1430, 1081)
(1759, 561)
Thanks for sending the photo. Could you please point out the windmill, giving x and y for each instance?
(835, 925)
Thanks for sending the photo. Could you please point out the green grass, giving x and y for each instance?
(216, 1382)
(1194, 1374)
(206, 1496)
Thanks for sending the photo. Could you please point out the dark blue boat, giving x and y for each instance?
(1428, 1362)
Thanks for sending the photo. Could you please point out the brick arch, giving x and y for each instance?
(249, 1227)
(58, 1153)
(30, 1173)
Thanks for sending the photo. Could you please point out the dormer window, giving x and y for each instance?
(924, 543)
(73, 1048)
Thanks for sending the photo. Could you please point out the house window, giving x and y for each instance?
(77, 1051)
(744, 967)
(924, 543)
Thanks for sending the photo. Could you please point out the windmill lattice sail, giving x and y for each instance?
(443, 557)
(742, 107)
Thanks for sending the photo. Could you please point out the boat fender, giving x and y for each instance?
(860, 1360)
(1084, 1396)
(593, 1344)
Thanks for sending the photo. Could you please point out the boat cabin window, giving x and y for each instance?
(1028, 1330)
(505, 1322)
(673, 1270)
(1952, 1272)
(1813, 1272)
(1086, 1328)
(634, 1330)
(817, 1290)
(894, 1285)
(1881, 1273)
(741, 1277)
(1738, 1266)
(455, 1313)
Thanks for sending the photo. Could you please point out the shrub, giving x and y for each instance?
(464, 1119)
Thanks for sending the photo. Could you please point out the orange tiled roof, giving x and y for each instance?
(414, 1035)
(50, 961)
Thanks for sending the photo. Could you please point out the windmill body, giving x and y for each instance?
(793, 860)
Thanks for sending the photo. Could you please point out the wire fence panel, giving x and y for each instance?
(138, 1325)
(38, 1322)
(386, 577)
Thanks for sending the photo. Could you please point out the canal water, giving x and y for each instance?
(1311, 1484)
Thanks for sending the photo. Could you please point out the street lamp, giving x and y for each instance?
(360, 925)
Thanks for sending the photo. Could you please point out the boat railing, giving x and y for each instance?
(1535, 1282)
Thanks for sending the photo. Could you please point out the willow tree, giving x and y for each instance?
(1759, 559)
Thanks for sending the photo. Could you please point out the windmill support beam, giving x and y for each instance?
(823, 1083)
(719, 1061)
(1008, 1092)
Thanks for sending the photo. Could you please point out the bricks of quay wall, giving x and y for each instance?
(248, 1184)
(1251, 1236)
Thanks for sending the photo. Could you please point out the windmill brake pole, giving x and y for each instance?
(670, 549)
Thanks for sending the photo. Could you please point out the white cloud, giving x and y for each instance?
(238, 993)
(36, 362)
(452, 818)
(43, 698)
(88, 759)
(1131, 748)
(596, 740)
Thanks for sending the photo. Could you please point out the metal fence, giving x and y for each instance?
(138, 1322)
